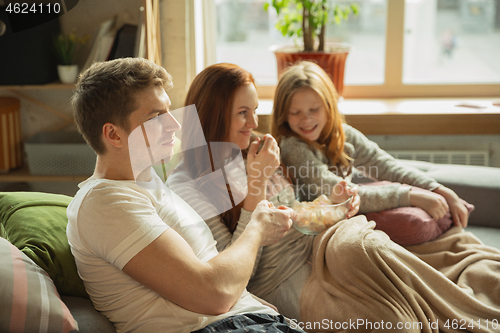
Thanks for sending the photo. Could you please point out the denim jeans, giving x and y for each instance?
(250, 323)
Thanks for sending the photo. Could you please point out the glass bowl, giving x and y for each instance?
(314, 217)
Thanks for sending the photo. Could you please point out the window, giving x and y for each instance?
(245, 33)
(461, 40)
(411, 48)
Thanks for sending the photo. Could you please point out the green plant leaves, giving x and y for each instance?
(66, 47)
(296, 15)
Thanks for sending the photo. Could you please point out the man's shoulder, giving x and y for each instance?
(98, 186)
(104, 193)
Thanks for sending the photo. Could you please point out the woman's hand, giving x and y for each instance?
(459, 212)
(341, 192)
(261, 165)
(432, 203)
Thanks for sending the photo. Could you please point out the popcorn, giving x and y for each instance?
(314, 217)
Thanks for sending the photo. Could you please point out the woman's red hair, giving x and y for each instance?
(212, 92)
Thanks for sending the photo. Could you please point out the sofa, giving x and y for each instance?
(32, 227)
(39, 271)
(477, 185)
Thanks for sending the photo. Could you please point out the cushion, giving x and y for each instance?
(28, 298)
(36, 224)
(475, 184)
(411, 225)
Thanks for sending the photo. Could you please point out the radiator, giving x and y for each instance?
(476, 157)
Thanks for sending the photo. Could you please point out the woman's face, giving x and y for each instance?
(307, 114)
(243, 117)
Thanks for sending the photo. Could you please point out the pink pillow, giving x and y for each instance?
(29, 301)
(411, 225)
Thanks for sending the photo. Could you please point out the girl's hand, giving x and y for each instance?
(341, 192)
(261, 165)
(459, 212)
(432, 203)
(356, 201)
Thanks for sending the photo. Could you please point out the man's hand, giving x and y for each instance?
(271, 222)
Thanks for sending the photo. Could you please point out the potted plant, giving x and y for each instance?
(66, 48)
(308, 19)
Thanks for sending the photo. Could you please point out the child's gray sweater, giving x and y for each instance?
(314, 175)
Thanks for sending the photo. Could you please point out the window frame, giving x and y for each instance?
(393, 86)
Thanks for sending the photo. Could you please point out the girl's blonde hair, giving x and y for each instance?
(302, 75)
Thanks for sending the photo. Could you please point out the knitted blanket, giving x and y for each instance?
(364, 282)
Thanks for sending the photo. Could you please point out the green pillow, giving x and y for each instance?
(36, 224)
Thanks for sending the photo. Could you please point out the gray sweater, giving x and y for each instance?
(314, 175)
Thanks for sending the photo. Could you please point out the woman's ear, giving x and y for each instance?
(113, 135)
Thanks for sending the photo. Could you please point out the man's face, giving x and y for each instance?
(153, 124)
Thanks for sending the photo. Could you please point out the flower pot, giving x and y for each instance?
(332, 60)
(67, 73)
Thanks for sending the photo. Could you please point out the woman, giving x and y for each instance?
(226, 99)
(358, 273)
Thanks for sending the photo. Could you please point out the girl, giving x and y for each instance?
(313, 136)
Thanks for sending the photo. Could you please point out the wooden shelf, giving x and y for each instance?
(430, 116)
(19, 91)
(23, 175)
(49, 86)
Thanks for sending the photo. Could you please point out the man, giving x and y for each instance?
(146, 260)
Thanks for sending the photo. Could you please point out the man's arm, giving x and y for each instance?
(169, 266)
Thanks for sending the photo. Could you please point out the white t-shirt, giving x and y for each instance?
(109, 223)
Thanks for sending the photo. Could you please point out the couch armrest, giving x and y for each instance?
(477, 185)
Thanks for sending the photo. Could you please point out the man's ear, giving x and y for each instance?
(113, 135)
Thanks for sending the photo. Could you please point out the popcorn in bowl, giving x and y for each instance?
(314, 217)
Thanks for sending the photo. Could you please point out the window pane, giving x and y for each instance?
(245, 32)
(366, 34)
(452, 41)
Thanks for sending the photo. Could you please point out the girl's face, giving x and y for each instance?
(307, 114)
(243, 117)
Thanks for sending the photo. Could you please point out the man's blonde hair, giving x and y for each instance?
(105, 93)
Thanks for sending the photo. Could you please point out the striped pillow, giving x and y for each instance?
(28, 297)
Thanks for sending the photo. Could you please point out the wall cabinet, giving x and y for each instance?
(46, 107)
